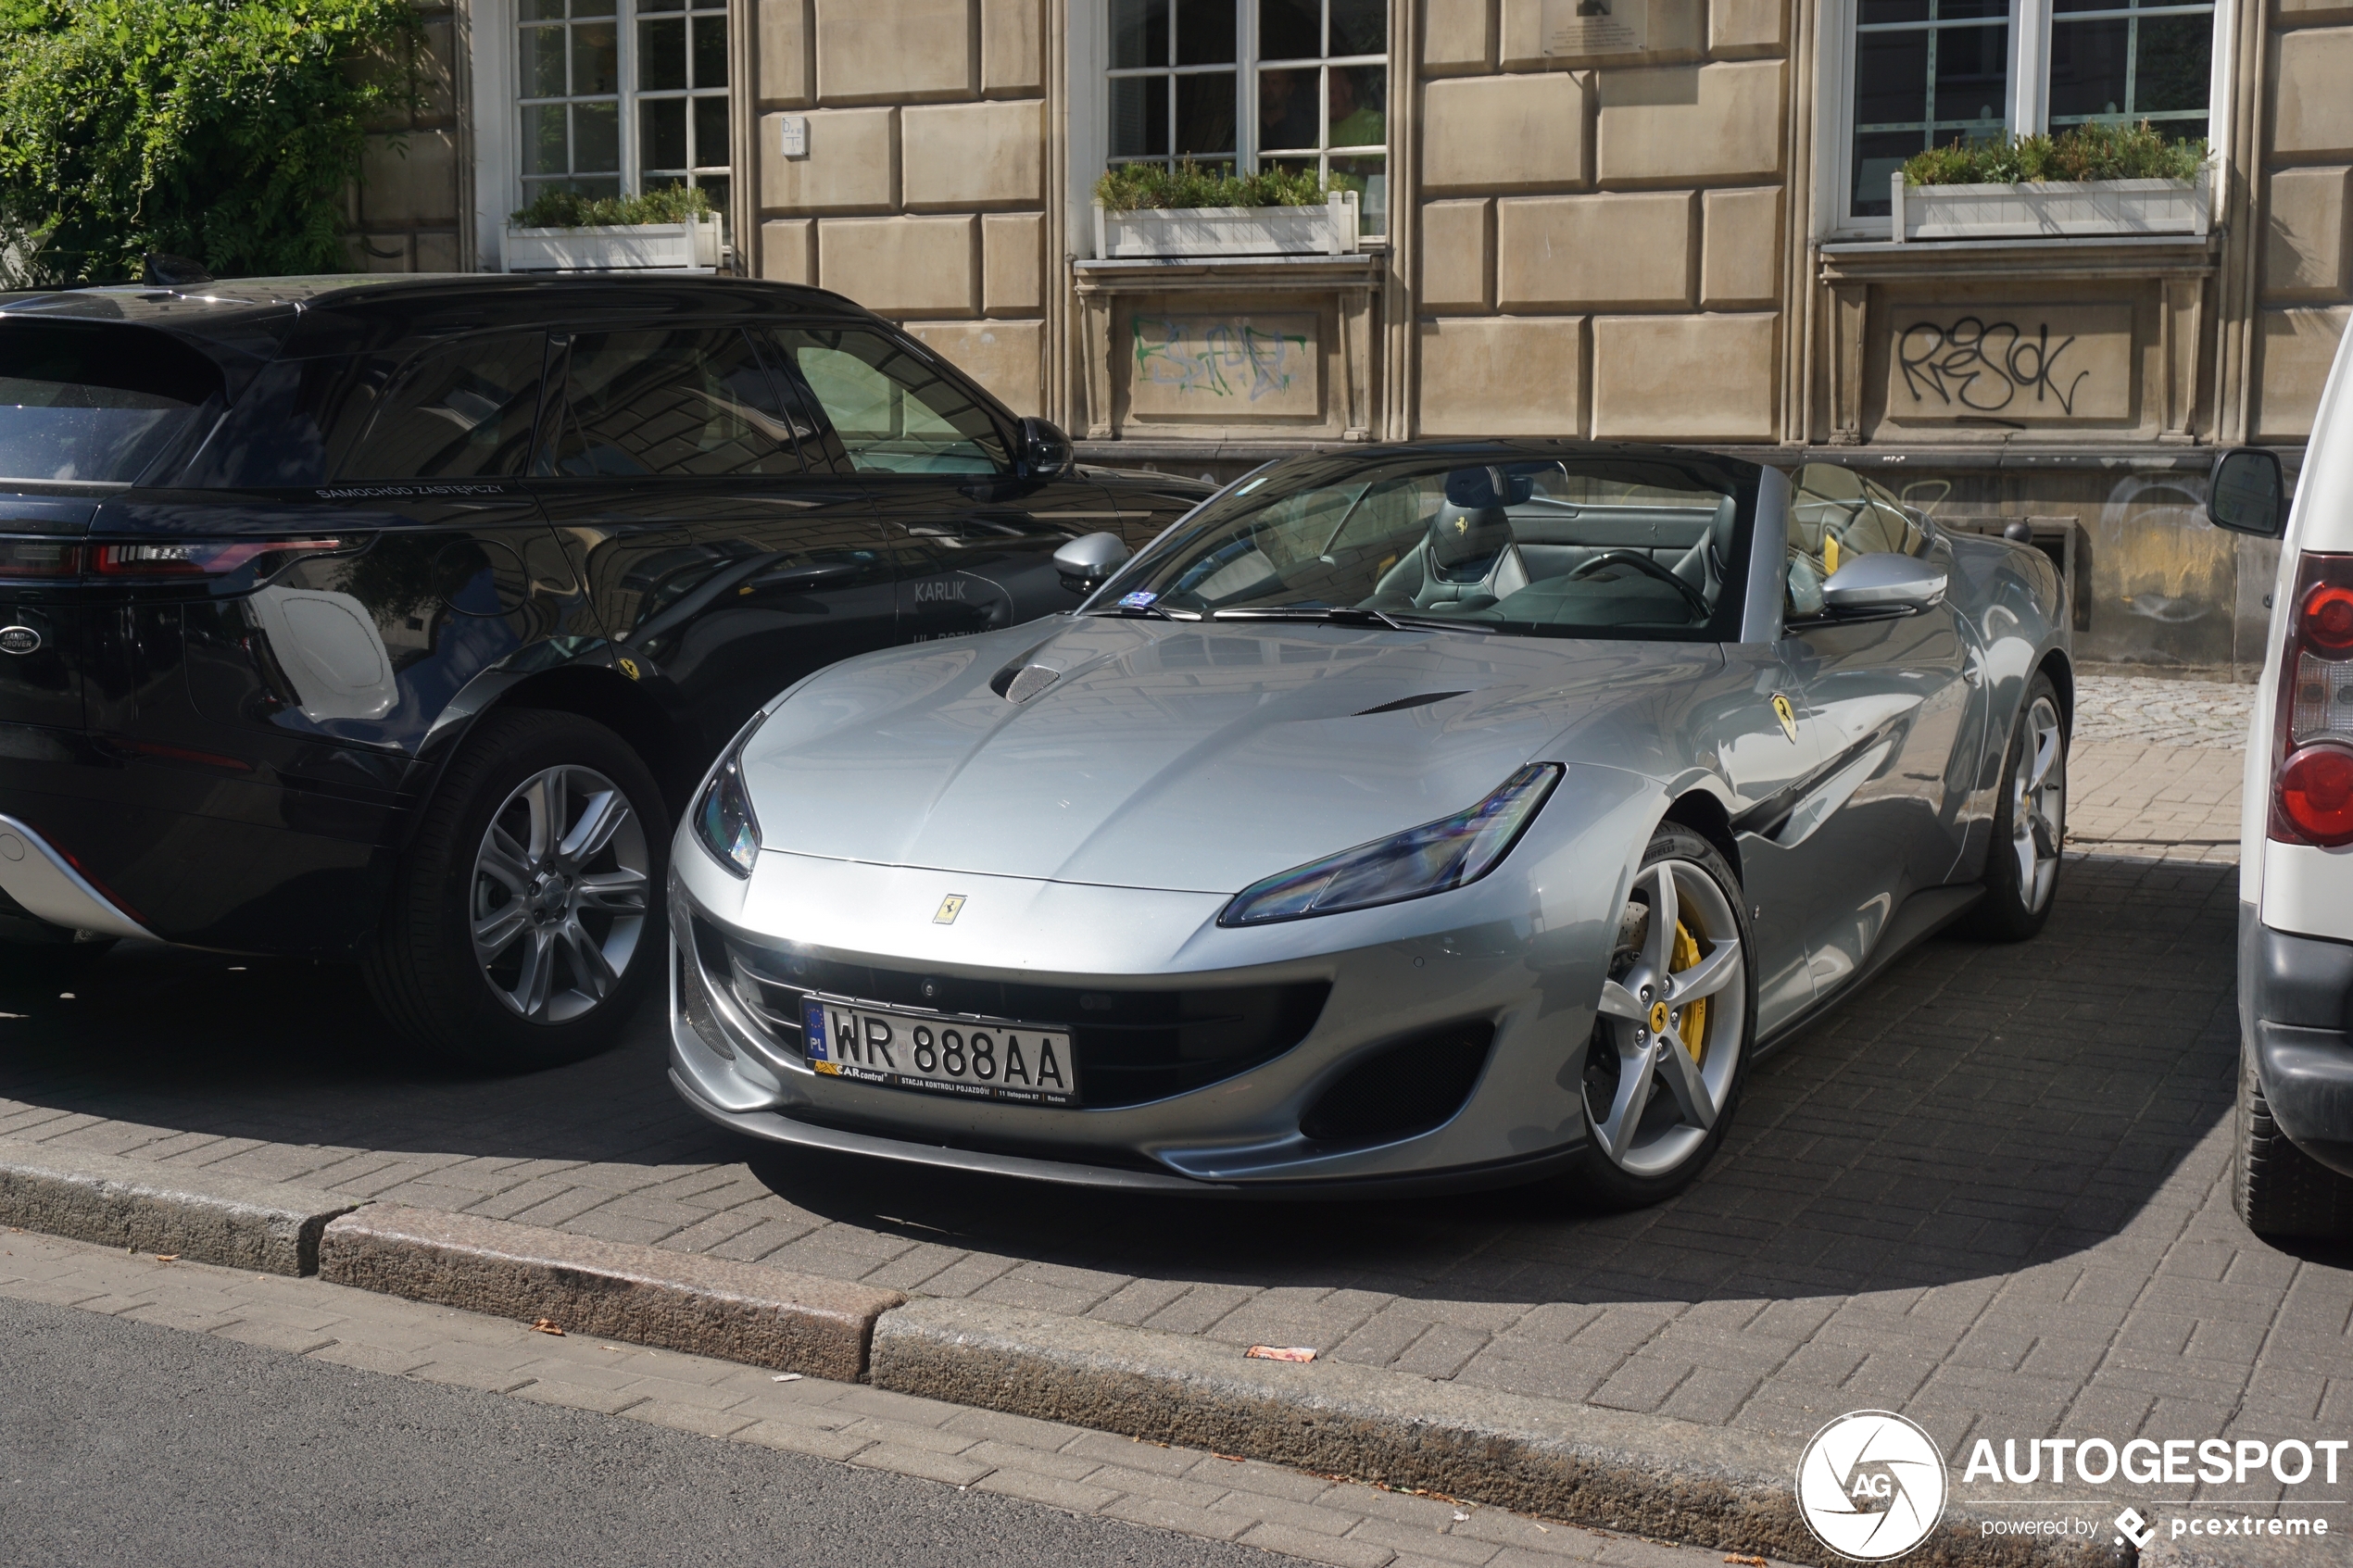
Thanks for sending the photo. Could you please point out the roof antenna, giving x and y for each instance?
(166, 270)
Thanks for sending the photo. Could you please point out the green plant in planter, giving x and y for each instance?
(228, 130)
(2091, 151)
(1128, 187)
(568, 209)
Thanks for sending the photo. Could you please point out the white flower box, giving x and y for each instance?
(1328, 230)
(2052, 209)
(635, 247)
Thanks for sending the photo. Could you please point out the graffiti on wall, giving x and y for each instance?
(1225, 366)
(2014, 365)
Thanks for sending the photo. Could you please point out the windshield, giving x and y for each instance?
(1596, 546)
(80, 401)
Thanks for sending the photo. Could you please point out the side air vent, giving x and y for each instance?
(1404, 703)
(1406, 1089)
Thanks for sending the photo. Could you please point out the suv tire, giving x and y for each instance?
(527, 918)
(2277, 1189)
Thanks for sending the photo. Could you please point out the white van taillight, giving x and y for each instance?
(2312, 744)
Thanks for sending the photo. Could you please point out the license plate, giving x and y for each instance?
(977, 1058)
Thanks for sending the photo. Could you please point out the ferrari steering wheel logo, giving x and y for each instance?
(1786, 714)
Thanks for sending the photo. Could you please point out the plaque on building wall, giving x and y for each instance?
(2009, 364)
(1596, 27)
(1225, 367)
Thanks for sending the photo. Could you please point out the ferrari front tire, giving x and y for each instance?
(2277, 1189)
(1661, 1073)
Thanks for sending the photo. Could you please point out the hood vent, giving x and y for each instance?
(1020, 683)
(1404, 703)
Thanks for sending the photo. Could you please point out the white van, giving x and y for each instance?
(2293, 1171)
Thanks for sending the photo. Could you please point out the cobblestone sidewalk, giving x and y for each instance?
(1990, 1191)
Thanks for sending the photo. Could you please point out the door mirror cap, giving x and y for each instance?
(1887, 581)
(1046, 452)
(1087, 560)
(2246, 493)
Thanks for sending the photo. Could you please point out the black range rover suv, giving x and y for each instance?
(396, 619)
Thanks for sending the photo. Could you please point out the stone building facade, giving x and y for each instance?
(1620, 219)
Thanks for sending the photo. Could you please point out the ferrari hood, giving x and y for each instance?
(1168, 755)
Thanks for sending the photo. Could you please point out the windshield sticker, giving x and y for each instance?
(1140, 599)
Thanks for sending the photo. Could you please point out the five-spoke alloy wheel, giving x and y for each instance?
(1662, 1071)
(527, 919)
(2030, 822)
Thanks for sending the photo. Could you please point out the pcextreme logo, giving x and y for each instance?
(1871, 1486)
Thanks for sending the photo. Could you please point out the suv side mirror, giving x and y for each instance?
(1046, 452)
(1087, 560)
(1886, 580)
(2246, 493)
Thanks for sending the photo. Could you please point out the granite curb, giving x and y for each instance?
(1640, 1474)
(1646, 1475)
(743, 1312)
(206, 1217)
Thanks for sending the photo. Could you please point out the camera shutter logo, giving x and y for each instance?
(1871, 1486)
(19, 640)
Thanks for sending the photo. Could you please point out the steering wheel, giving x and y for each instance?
(1636, 559)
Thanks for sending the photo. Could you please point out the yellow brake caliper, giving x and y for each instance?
(1693, 1021)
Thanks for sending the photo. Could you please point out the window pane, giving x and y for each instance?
(596, 60)
(543, 62)
(1891, 79)
(1876, 157)
(2087, 67)
(690, 402)
(715, 187)
(1205, 114)
(710, 51)
(1204, 32)
(710, 133)
(661, 55)
(1953, 10)
(1359, 101)
(466, 411)
(1290, 30)
(542, 140)
(1973, 78)
(1369, 177)
(893, 412)
(2176, 66)
(1875, 11)
(1360, 27)
(543, 10)
(596, 138)
(592, 7)
(661, 4)
(1139, 33)
(662, 126)
(1287, 108)
(1140, 117)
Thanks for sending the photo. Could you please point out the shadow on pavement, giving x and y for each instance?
(1976, 1111)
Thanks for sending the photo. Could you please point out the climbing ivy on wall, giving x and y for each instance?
(226, 132)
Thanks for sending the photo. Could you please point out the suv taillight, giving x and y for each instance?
(2312, 743)
(204, 557)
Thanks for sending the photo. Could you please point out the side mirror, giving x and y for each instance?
(1883, 582)
(1046, 452)
(2246, 493)
(1085, 562)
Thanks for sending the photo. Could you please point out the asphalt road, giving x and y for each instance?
(125, 1443)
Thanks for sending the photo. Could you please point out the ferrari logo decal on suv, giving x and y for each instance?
(949, 907)
(1786, 714)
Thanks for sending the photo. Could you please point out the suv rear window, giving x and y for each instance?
(90, 402)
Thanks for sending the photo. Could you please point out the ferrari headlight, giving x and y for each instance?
(1449, 852)
(723, 816)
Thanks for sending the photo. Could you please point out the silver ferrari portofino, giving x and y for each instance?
(1416, 817)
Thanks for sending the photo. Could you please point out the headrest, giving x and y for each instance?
(1467, 536)
(1472, 488)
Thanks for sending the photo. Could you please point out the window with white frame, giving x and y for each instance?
(624, 96)
(1256, 84)
(1923, 73)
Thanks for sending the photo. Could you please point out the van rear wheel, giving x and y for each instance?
(2277, 1189)
(527, 917)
